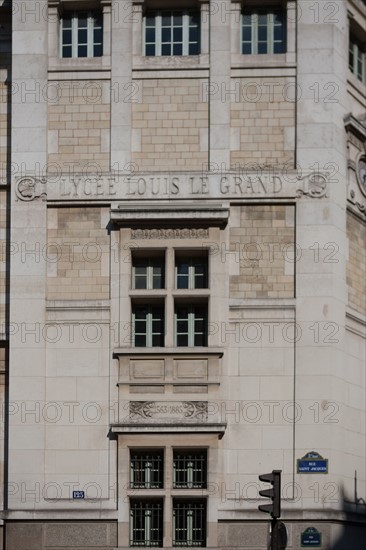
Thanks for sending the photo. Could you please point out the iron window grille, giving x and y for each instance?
(189, 523)
(357, 58)
(148, 325)
(147, 470)
(263, 32)
(81, 35)
(191, 272)
(146, 523)
(148, 273)
(190, 469)
(172, 33)
(191, 325)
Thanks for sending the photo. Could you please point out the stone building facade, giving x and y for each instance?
(183, 267)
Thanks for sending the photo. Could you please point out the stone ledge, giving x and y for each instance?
(141, 428)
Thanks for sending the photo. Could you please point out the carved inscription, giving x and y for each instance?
(169, 411)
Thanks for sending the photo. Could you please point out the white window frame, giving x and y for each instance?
(191, 272)
(149, 323)
(147, 525)
(149, 273)
(358, 55)
(191, 323)
(90, 15)
(158, 32)
(254, 14)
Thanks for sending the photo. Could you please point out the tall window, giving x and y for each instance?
(190, 469)
(189, 522)
(357, 58)
(263, 32)
(172, 33)
(81, 35)
(146, 522)
(147, 470)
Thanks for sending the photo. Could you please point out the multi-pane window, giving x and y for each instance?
(147, 470)
(148, 273)
(146, 522)
(263, 32)
(148, 325)
(191, 325)
(190, 469)
(191, 272)
(189, 522)
(81, 35)
(172, 33)
(357, 58)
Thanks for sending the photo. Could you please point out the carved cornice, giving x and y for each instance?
(185, 233)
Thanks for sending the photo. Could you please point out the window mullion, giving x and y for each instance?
(149, 328)
(74, 31)
(190, 328)
(270, 32)
(158, 33)
(185, 34)
(89, 35)
(255, 37)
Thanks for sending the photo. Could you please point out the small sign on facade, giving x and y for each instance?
(311, 537)
(312, 463)
(78, 494)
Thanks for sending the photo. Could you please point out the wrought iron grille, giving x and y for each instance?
(146, 523)
(147, 470)
(190, 469)
(189, 523)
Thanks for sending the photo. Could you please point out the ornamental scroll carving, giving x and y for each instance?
(186, 233)
(30, 188)
(314, 185)
(169, 411)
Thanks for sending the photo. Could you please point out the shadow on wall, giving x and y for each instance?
(353, 535)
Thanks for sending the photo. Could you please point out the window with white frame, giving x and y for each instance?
(189, 522)
(263, 31)
(191, 271)
(146, 469)
(81, 34)
(190, 324)
(172, 33)
(146, 522)
(148, 272)
(148, 324)
(189, 469)
(357, 58)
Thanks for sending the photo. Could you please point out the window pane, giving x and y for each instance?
(82, 22)
(194, 49)
(150, 20)
(165, 49)
(98, 50)
(66, 37)
(247, 34)
(262, 33)
(140, 340)
(262, 19)
(278, 33)
(98, 35)
(66, 51)
(177, 19)
(262, 47)
(247, 48)
(83, 51)
(166, 20)
(178, 34)
(150, 35)
(278, 47)
(166, 35)
(82, 36)
(177, 49)
(182, 340)
(150, 49)
(66, 22)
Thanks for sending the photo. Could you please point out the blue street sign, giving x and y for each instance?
(312, 463)
(311, 537)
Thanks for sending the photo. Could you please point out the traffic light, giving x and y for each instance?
(274, 494)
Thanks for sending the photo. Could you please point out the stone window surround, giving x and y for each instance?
(55, 9)
(190, 440)
(201, 61)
